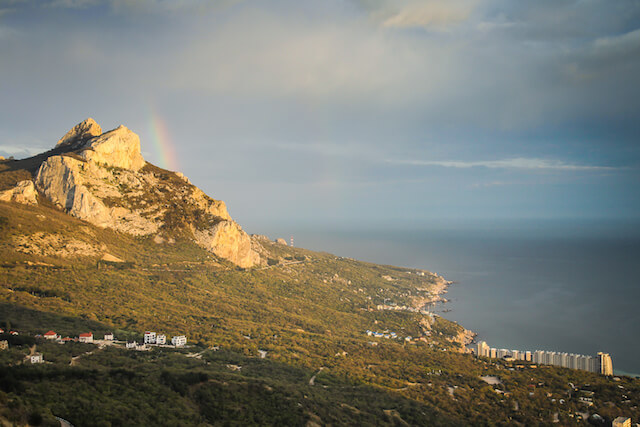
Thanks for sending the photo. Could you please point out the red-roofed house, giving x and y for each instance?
(86, 337)
(51, 335)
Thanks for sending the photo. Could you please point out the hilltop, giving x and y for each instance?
(102, 178)
(92, 237)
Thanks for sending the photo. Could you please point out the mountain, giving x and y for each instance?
(94, 238)
(103, 179)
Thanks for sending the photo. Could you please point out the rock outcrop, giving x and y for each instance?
(118, 148)
(227, 240)
(80, 133)
(91, 193)
(24, 192)
(55, 244)
(281, 241)
(104, 181)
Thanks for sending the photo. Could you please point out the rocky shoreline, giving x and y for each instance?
(440, 287)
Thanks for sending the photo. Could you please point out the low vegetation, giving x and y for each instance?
(281, 344)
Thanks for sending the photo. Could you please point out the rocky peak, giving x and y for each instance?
(80, 133)
(118, 147)
(103, 180)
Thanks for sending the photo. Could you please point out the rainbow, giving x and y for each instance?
(162, 145)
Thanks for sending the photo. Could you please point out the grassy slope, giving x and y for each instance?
(305, 315)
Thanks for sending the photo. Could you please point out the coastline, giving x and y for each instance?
(439, 287)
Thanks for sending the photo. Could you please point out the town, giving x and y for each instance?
(602, 363)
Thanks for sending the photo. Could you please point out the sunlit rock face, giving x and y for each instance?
(104, 180)
(24, 192)
(80, 132)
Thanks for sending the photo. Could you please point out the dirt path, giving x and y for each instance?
(88, 353)
(312, 381)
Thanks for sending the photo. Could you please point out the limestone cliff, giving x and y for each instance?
(24, 192)
(103, 179)
(80, 133)
(119, 148)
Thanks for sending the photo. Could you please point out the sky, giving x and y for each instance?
(351, 112)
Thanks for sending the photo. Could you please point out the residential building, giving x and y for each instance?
(86, 337)
(108, 337)
(179, 341)
(601, 364)
(622, 422)
(483, 349)
(604, 364)
(51, 335)
(149, 337)
(131, 344)
(4, 344)
(37, 358)
(161, 339)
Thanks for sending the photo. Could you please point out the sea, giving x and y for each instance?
(563, 285)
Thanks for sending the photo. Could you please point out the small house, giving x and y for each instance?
(131, 344)
(37, 358)
(149, 337)
(86, 337)
(161, 339)
(108, 337)
(179, 341)
(51, 335)
(4, 344)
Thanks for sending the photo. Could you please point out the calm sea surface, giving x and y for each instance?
(571, 289)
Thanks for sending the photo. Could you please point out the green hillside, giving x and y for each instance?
(306, 310)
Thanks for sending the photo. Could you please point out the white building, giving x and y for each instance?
(37, 358)
(161, 339)
(131, 344)
(179, 341)
(604, 365)
(483, 349)
(51, 335)
(108, 337)
(86, 337)
(149, 337)
(503, 352)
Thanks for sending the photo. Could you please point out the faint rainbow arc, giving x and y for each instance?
(162, 144)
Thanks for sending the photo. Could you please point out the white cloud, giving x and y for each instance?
(515, 163)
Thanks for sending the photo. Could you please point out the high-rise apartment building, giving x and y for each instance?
(604, 364)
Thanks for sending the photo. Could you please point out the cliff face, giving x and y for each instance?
(24, 192)
(103, 179)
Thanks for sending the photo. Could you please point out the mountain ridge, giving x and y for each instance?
(102, 178)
